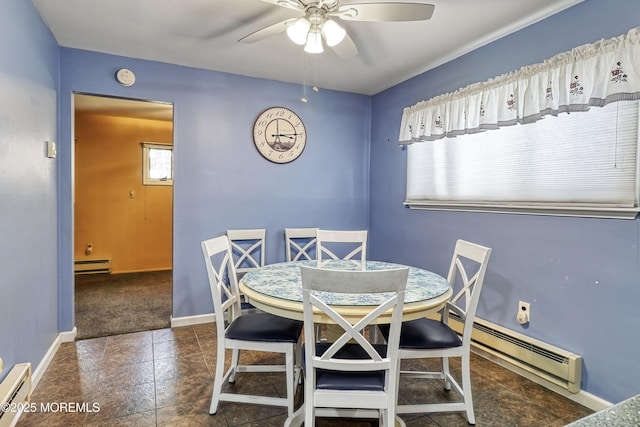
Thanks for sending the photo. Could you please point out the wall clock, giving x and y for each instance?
(279, 135)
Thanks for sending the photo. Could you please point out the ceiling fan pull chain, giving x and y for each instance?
(304, 78)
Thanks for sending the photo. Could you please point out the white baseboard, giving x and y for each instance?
(38, 372)
(62, 337)
(69, 336)
(591, 401)
(199, 319)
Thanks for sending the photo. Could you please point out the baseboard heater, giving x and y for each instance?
(93, 266)
(558, 366)
(15, 392)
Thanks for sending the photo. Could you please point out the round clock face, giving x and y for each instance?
(279, 135)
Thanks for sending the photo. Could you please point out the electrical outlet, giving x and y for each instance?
(51, 149)
(525, 307)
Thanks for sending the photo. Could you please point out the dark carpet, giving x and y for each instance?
(114, 304)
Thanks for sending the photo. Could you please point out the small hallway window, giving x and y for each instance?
(157, 163)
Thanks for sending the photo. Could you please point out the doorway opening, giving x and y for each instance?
(123, 232)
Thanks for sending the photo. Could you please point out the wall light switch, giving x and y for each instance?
(1, 366)
(51, 149)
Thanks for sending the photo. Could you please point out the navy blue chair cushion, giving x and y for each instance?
(246, 306)
(264, 327)
(425, 333)
(348, 380)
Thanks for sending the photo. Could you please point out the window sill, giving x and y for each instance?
(603, 211)
(158, 182)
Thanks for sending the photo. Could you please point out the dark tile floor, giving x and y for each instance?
(164, 378)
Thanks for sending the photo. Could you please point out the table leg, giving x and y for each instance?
(296, 419)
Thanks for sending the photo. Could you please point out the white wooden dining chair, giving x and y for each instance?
(342, 244)
(351, 376)
(258, 332)
(300, 243)
(430, 338)
(248, 253)
(248, 249)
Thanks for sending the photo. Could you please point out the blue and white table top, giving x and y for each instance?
(283, 281)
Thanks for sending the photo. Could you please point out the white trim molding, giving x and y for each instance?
(199, 319)
(613, 212)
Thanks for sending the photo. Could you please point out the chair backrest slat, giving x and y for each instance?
(300, 243)
(247, 248)
(342, 244)
(468, 268)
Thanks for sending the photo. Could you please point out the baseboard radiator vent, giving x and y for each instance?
(551, 363)
(15, 392)
(93, 266)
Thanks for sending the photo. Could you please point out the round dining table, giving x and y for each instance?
(277, 289)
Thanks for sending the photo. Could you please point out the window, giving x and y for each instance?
(157, 164)
(583, 164)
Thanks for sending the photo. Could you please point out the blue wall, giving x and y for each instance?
(580, 275)
(28, 196)
(221, 181)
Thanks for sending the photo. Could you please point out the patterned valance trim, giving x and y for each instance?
(589, 75)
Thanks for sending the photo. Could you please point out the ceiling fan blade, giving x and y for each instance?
(381, 12)
(289, 4)
(269, 31)
(346, 48)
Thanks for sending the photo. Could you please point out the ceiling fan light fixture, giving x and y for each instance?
(333, 33)
(349, 13)
(314, 41)
(288, 3)
(299, 30)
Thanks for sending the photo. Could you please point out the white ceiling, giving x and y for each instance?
(205, 34)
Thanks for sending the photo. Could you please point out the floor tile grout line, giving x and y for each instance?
(507, 387)
(155, 384)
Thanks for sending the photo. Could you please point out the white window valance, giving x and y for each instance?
(589, 75)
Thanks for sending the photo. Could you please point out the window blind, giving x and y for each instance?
(583, 163)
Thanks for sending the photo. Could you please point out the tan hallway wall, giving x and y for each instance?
(134, 231)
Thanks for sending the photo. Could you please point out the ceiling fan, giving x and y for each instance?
(319, 22)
